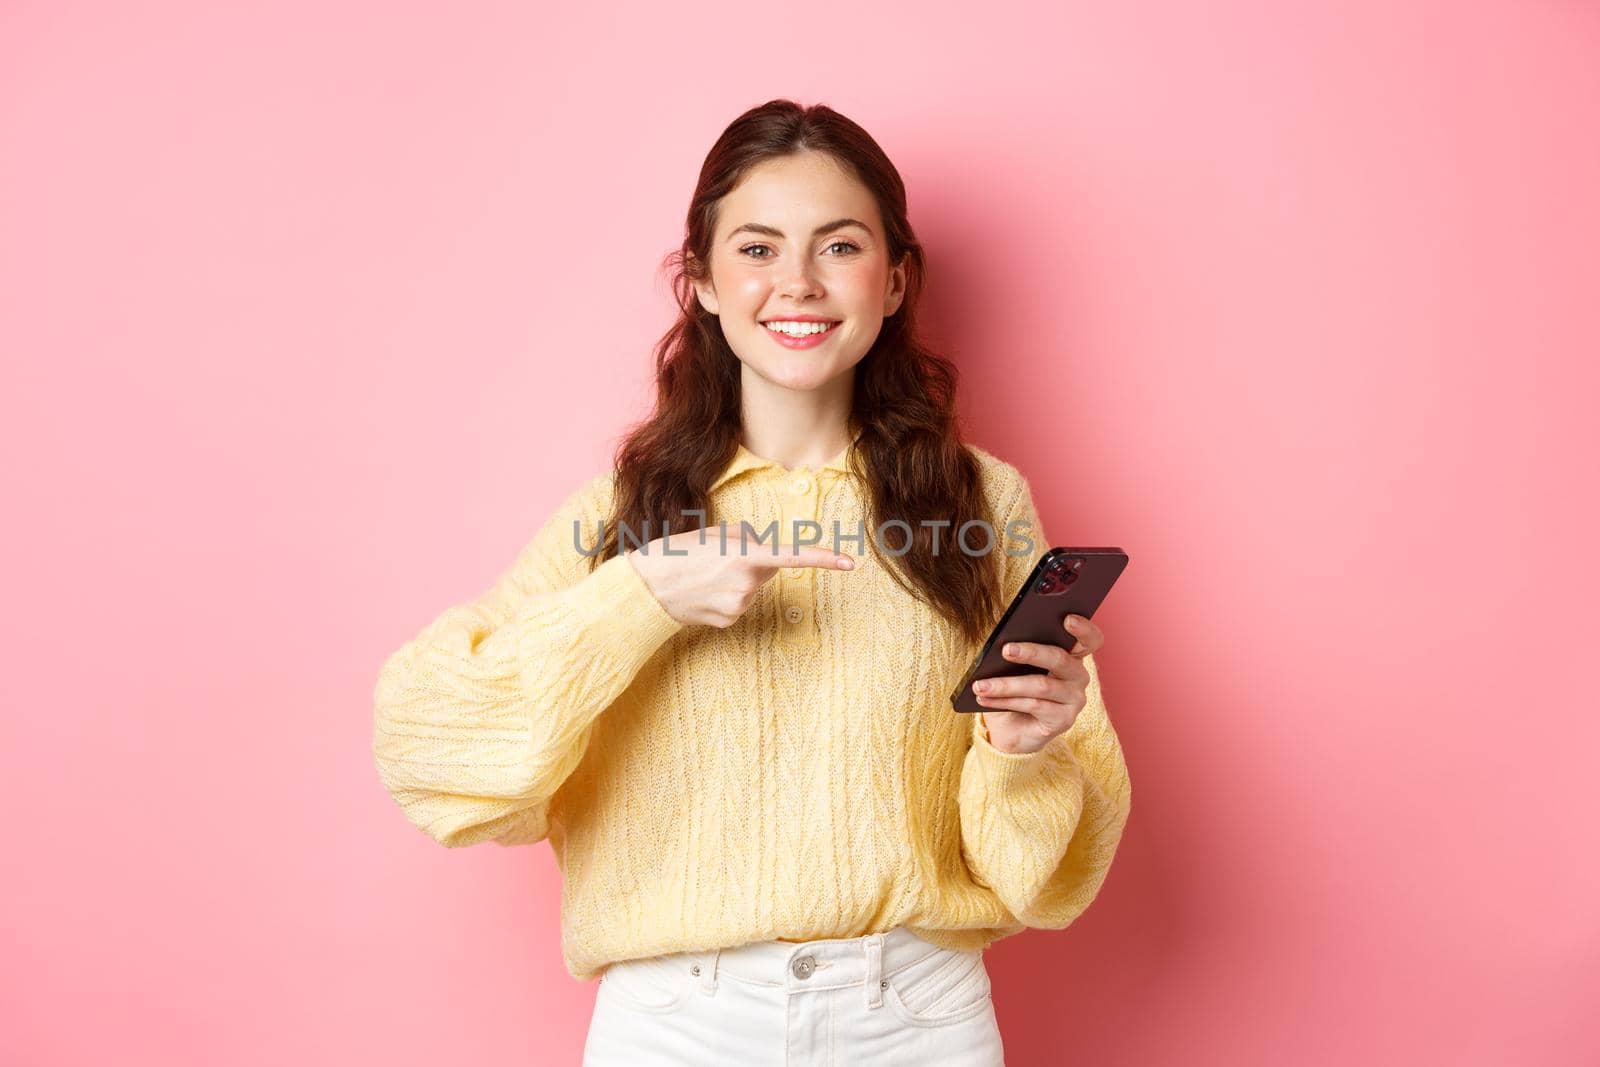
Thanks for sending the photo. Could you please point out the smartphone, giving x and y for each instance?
(1065, 581)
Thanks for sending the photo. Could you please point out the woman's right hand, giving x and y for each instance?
(700, 582)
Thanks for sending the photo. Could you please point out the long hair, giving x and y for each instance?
(910, 453)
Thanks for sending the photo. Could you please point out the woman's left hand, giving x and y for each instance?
(1027, 711)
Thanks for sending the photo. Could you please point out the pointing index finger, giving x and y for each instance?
(801, 556)
(778, 554)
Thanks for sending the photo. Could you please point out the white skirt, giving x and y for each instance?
(885, 999)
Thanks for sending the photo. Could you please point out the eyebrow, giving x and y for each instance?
(769, 231)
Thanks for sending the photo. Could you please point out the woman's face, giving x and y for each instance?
(782, 250)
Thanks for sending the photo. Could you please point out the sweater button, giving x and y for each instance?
(804, 966)
(794, 614)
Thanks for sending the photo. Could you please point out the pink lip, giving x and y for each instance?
(810, 340)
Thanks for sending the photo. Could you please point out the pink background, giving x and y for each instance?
(311, 313)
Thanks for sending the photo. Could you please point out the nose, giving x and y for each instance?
(800, 279)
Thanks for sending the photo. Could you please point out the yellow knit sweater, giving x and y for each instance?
(798, 774)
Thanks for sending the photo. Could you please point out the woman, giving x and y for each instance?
(778, 841)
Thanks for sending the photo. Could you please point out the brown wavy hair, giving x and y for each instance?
(911, 456)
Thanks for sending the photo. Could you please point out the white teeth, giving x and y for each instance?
(799, 329)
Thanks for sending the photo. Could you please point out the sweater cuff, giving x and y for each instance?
(1008, 771)
(619, 598)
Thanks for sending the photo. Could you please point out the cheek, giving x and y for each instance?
(862, 282)
(750, 290)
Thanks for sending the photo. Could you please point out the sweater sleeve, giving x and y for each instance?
(1040, 828)
(481, 716)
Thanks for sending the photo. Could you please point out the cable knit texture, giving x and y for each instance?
(799, 774)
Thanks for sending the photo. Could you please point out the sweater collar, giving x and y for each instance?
(746, 460)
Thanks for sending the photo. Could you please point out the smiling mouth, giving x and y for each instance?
(800, 329)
